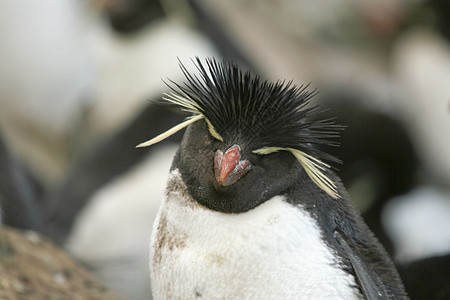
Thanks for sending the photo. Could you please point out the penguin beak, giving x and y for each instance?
(228, 167)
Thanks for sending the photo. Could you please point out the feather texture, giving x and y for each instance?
(269, 116)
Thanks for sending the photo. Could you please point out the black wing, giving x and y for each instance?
(370, 282)
(344, 230)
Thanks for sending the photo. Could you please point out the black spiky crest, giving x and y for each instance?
(273, 116)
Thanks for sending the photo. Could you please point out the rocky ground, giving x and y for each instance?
(31, 267)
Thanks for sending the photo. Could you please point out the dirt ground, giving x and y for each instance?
(31, 267)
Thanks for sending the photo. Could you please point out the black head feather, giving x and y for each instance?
(269, 117)
(239, 104)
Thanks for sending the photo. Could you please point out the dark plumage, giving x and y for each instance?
(249, 143)
(18, 193)
(264, 114)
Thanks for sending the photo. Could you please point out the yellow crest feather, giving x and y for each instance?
(313, 167)
(171, 131)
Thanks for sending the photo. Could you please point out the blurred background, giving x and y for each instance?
(77, 81)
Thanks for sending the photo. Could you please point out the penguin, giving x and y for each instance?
(252, 207)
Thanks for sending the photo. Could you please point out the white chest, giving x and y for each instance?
(270, 252)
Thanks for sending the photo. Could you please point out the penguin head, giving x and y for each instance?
(247, 139)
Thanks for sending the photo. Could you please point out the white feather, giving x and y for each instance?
(274, 251)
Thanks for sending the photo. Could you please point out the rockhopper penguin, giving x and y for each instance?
(251, 209)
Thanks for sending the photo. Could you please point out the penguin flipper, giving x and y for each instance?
(370, 282)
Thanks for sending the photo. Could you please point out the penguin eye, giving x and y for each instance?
(313, 167)
(213, 131)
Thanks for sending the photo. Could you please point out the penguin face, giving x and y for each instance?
(248, 139)
(243, 182)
